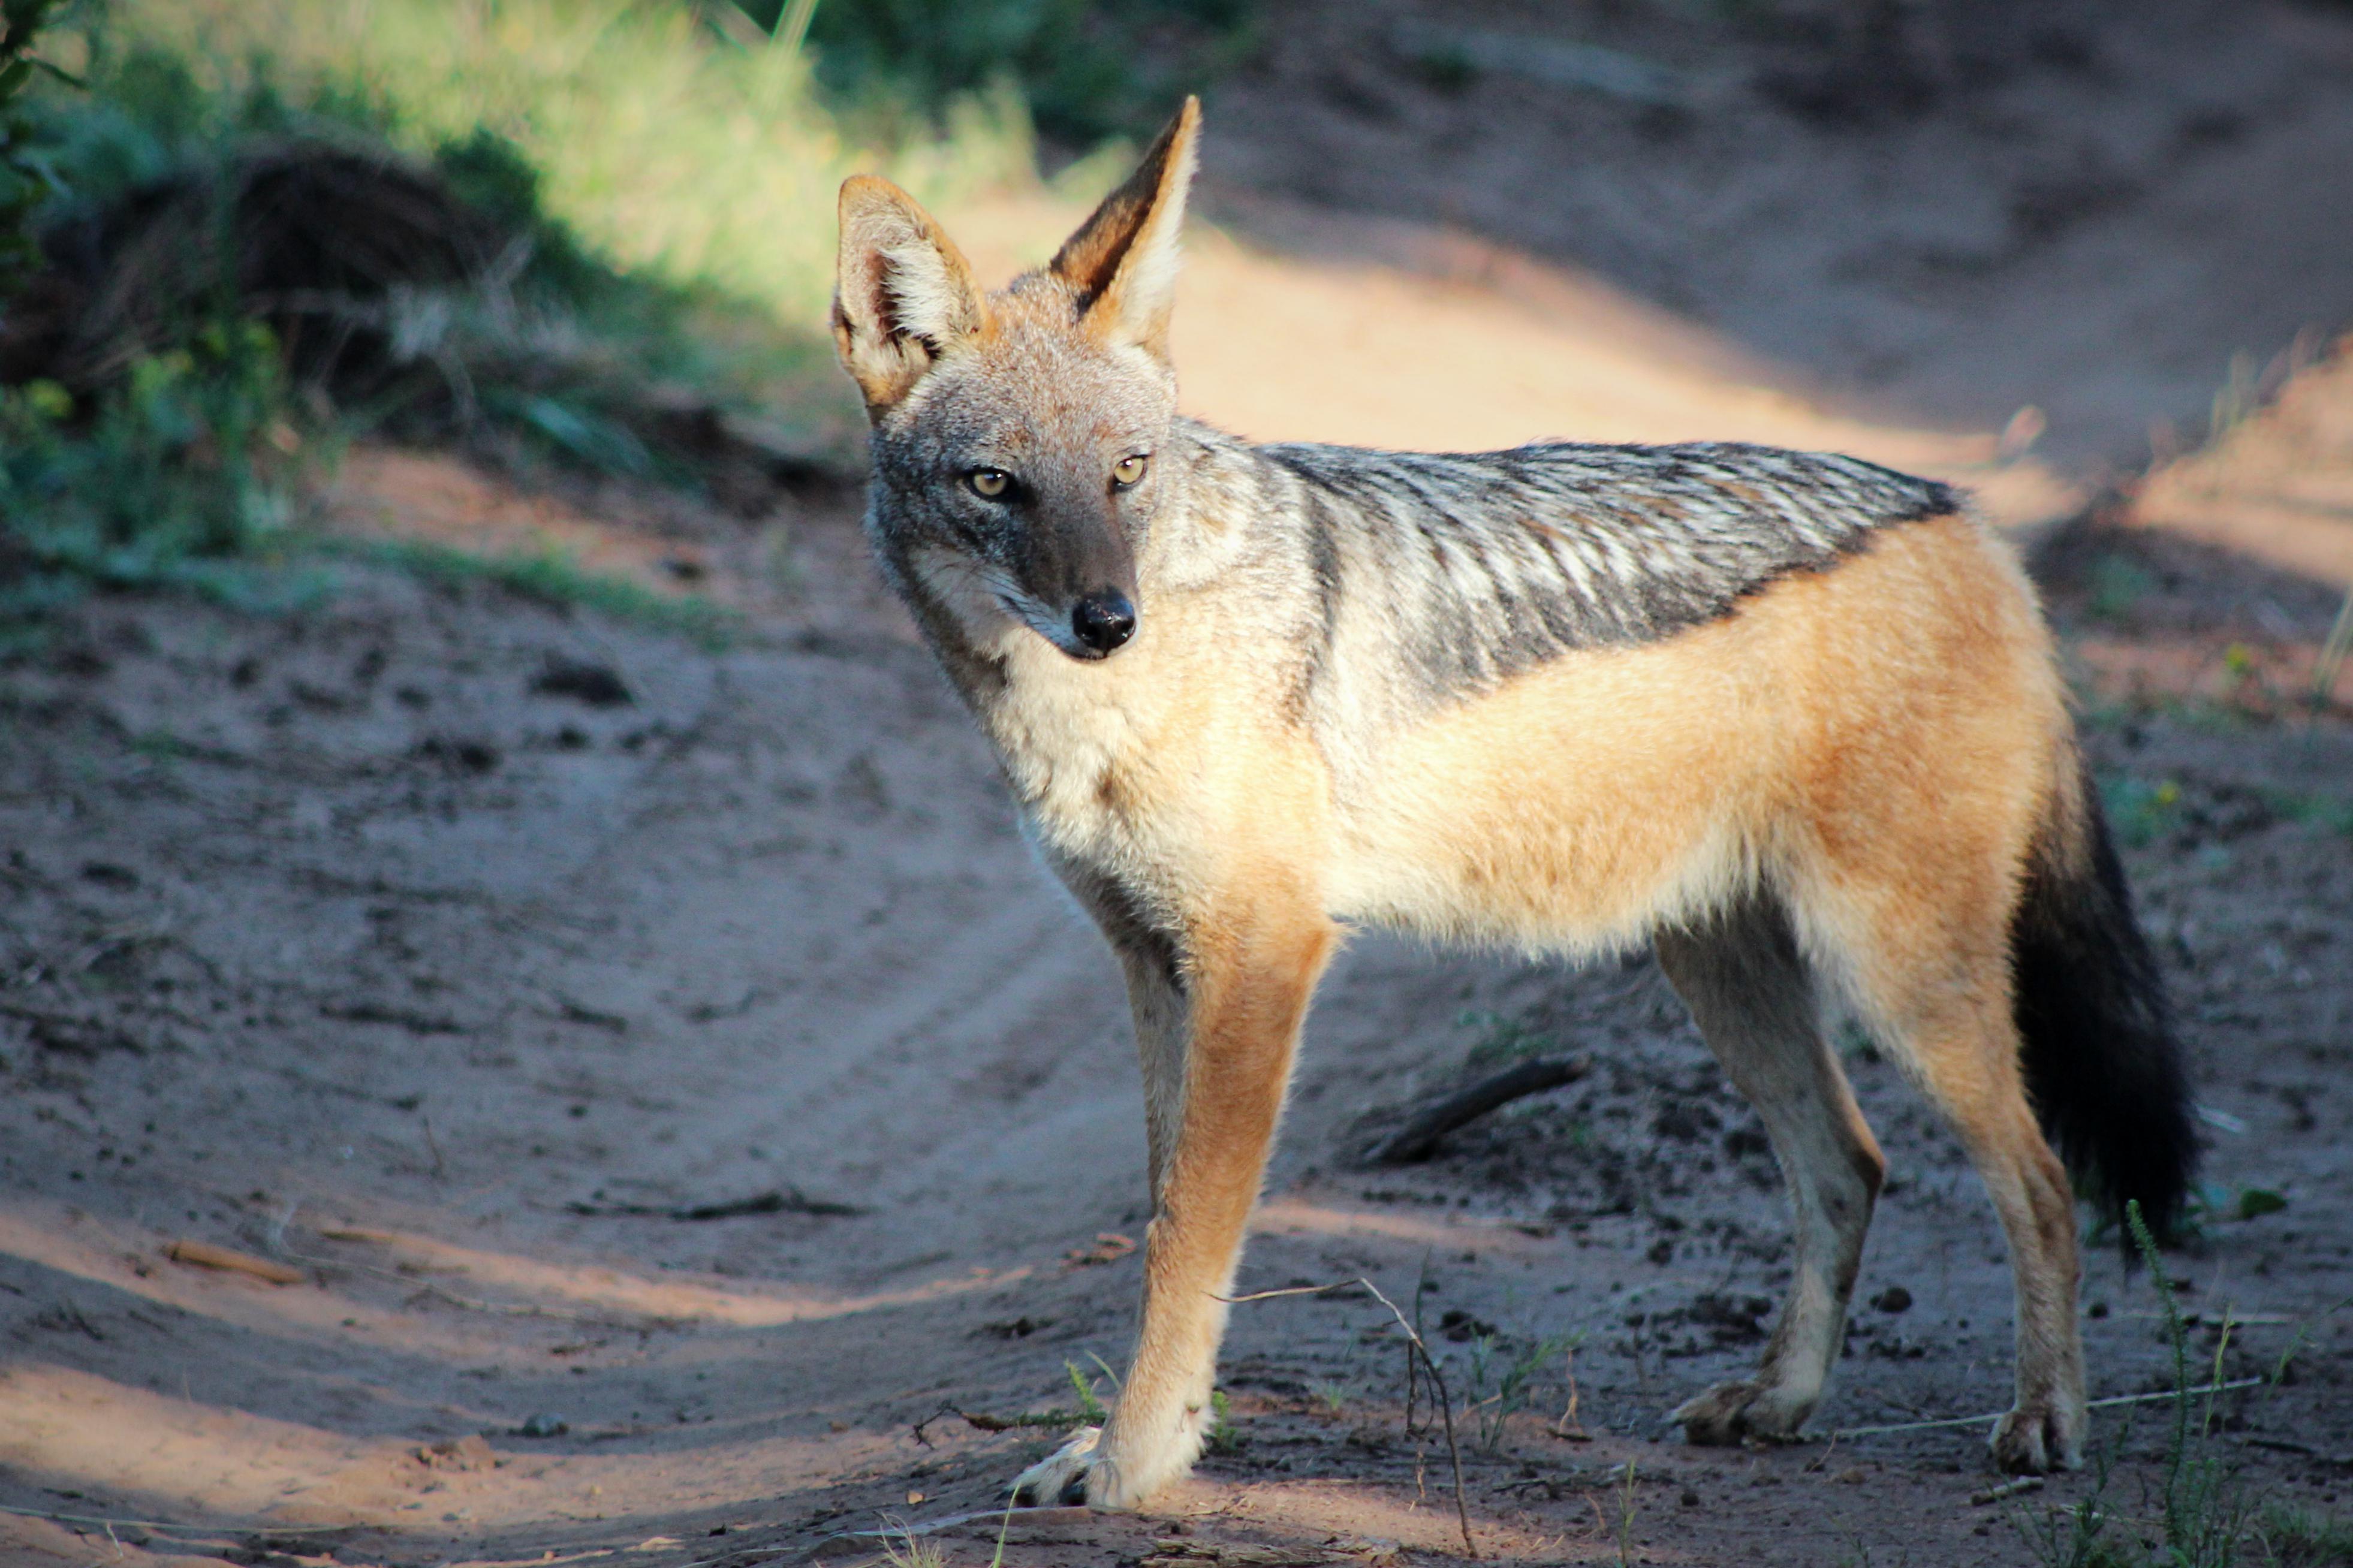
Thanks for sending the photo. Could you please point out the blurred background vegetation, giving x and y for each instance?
(591, 233)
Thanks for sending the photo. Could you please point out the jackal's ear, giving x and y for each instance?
(903, 294)
(1123, 261)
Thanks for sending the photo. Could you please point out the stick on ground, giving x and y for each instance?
(1438, 1395)
(1419, 1139)
(205, 1255)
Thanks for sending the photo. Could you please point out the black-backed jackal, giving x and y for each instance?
(1792, 718)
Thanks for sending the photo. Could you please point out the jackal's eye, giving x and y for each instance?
(1129, 470)
(990, 483)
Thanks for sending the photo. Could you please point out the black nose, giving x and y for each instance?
(1103, 620)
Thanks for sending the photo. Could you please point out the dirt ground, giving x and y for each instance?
(458, 952)
(2086, 205)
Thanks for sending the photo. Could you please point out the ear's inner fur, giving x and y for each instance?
(904, 296)
(1121, 264)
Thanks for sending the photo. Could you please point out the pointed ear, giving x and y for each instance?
(903, 294)
(1122, 263)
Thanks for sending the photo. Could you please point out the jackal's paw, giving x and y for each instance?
(1111, 1470)
(1082, 1472)
(1733, 1413)
(1059, 1480)
(2039, 1437)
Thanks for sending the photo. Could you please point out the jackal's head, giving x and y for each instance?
(1016, 433)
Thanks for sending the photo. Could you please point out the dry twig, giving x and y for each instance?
(205, 1255)
(1419, 1139)
(1428, 1365)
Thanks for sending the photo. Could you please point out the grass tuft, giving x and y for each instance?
(1091, 1408)
(185, 474)
(905, 1548)
(553, 577)
(1223, 1437)
(1498, 1394)
(2295, 1538)
(1503, 1040)
(594, 234)
(666, 150)
(2205, 1518)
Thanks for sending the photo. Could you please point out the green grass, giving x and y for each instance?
(908, 1550)
(184, 476)
(25, 182)
(1503, 1040)
(2295, 1538)
(1091, 1407)
(669, 151)
(1223, 1437)
(1089, 69)
(2205, 1516)
(668, 178)
(2139, 810)
(1513, 1383)
(552, 578)
(672, 192)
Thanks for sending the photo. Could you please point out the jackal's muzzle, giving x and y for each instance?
(1102, 621)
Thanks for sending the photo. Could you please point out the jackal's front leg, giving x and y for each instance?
(1240, 997)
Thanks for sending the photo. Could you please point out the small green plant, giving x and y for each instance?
(1500, 1039)
(1090, 1408)
(905, 1548)
(2205, 1513)
(2293, 1538)
(185, 474)
(2206, 1516)
(1513, 1385)
(2118, 584)
(1626, 1506)
(26, 178)
(2139, 809)
(553, 577)
(1223, 1437)
(2257, 1202)
(1331, 1397)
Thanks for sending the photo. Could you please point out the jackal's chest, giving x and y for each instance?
(1060, 753)
(1081, 746)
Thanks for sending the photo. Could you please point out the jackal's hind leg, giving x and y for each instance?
(1749, 991)
(1946, 1018)
(1969, 1066)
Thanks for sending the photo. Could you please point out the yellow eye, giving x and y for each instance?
(990, 482)
(1128, 470)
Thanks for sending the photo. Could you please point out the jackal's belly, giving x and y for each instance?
(1555, 873)
(1577, 810)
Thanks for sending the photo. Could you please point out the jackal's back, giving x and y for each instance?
(1478, 567)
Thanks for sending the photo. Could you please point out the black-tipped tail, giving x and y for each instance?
(2102, 1064)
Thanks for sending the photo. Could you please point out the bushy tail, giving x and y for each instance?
(2102, 1064)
